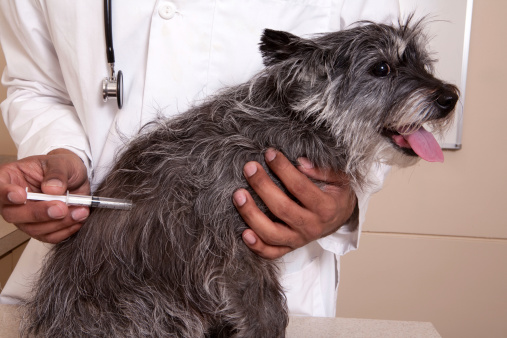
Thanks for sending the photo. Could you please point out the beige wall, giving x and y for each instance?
(435, 245)
(7, 147)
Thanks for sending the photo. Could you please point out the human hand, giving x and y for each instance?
(320, 212)
(54, 174)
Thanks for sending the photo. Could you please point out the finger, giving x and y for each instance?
(298, 184)
(317, 205)
(41, 212)
(321, 201)
(277, 201)
(41, 229)
(257, 245)
(79, 214)
(63, 172)
(12, 185)
(271, 233)
(12, 194)
(327, 175)
(38, 230)
(56, 176)
(58, 236)
(337, 185)
(35, 212)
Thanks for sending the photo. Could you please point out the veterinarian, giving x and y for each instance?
(172, 53)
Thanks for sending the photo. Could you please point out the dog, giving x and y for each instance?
(175, 265)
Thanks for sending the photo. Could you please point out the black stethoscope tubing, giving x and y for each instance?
(112, 86)
(108, 25)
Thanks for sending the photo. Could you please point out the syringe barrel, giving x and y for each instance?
(111, 203)
(83, 200)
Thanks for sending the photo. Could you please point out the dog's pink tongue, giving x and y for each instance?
(425, 145)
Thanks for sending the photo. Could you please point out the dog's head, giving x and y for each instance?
(372, 85)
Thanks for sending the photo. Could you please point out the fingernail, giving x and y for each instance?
(55, 212)
(15, 198)
(249, 238)
(305, 163)
(270, 154)
(250, 169)
(54, 183)
(80, 214)
(239, 198)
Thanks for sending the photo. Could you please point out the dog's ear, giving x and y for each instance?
(278, 46)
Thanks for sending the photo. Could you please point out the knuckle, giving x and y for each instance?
(55, 167)
(283, 209)
(39, 214)
(59, 235)
(300, 187)
(327, 212)
(275, 236)
(258, 249)
(311, 233)
(33, 231)
(290, 241)
(53, 176)
(270, 253)
(281, 166)
(271, 238)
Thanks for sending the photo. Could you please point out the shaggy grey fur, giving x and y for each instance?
(175, 265)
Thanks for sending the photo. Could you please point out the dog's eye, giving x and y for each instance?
(381, 69)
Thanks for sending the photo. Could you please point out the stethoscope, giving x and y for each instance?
(112, 86)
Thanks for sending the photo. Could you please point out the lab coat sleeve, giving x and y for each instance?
(38, 110)
(387, 11)
(345, 239)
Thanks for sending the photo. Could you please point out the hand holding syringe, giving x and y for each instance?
(82, 200)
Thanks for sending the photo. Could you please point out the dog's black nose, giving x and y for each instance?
(446, 100)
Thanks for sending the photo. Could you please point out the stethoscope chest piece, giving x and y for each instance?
(112, 86)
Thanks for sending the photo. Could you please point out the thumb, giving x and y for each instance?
(60, 167)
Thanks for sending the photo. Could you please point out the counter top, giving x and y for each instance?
(318, 327)
(299, 327)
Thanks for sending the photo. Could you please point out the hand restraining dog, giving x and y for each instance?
(175, 265)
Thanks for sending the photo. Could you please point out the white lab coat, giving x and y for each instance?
(172, 54)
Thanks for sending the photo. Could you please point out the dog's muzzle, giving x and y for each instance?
(446, 101)
(418, 141)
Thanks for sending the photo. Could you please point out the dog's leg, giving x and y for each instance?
(257, 305)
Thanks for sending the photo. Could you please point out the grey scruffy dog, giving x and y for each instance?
(175, 265)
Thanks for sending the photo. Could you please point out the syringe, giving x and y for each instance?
(83, 200)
